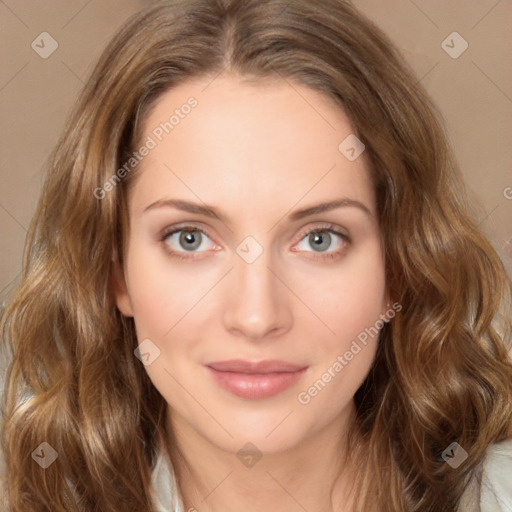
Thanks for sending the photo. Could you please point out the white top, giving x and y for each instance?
(492, 494)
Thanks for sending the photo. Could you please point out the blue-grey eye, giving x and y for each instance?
(189, 240)
(321, 240)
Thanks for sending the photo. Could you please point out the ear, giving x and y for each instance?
(120, 290)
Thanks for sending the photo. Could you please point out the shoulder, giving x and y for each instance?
(163, 482)
(496, 485)
(491, 489)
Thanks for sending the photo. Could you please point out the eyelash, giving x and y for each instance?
(329, 228)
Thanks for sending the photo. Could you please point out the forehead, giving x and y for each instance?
(249, 141)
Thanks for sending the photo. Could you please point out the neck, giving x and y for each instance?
(315, 475)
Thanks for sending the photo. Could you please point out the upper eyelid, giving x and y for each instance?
(183, 227)
(326, 226)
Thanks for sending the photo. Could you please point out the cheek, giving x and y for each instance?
(161, 293)
(151, 305)
(352, 308)
(353, 297)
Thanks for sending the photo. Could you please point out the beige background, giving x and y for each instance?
(474, 92)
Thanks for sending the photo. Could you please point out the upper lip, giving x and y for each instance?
(255, 367)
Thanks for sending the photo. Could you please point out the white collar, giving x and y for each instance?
(167, 498)
(492, 494)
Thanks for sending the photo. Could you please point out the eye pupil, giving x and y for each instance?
(189, 237)
(319, 237)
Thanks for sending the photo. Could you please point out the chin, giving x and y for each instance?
(271, 430)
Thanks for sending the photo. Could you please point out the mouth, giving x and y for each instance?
(255, 380)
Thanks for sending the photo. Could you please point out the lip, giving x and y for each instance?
(255, 380)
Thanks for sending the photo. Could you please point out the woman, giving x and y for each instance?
(335, 337)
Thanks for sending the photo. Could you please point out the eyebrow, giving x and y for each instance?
(210, 211)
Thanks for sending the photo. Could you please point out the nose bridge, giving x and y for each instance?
(257, 305)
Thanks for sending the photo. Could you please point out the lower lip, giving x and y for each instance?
(256, 386)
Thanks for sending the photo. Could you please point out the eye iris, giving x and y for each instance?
(189, 237)
(319, 236)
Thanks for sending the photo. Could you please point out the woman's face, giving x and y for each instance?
(253, 327)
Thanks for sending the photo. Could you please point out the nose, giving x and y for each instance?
(257, 303)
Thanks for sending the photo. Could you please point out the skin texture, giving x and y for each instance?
(256, 152)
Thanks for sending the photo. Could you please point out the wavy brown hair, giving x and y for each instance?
(442, 372)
